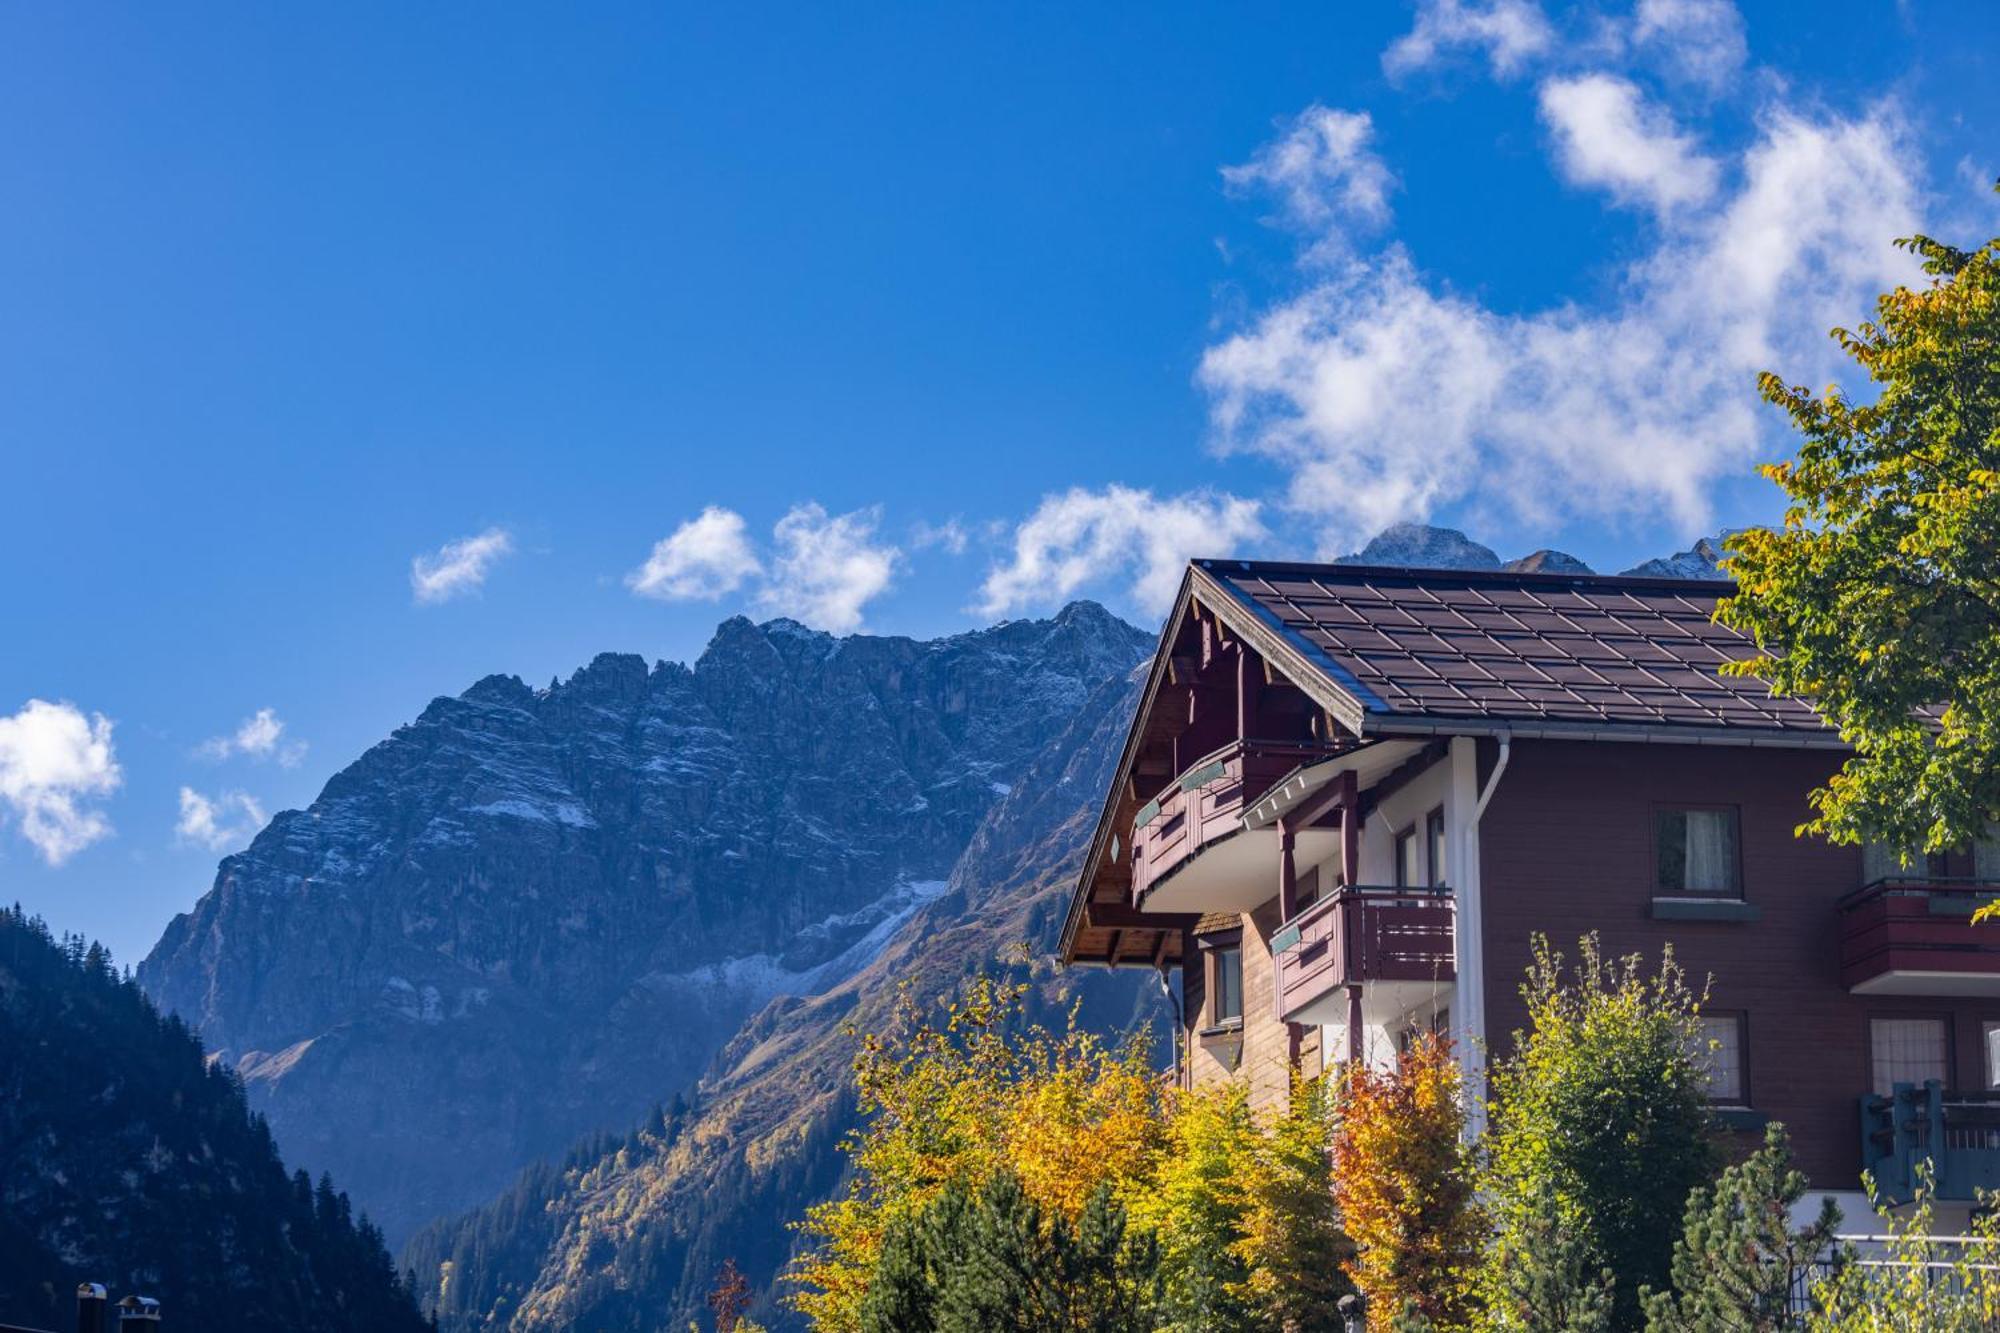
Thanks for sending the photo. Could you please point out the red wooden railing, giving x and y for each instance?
(1364, 934)
(1905, 925)
(1206, 804)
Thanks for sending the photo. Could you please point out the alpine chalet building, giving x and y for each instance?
(1351, 795)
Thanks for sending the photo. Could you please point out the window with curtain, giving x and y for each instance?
(1908, 1050)
(1406, 858)
(1434, 837)
(1989, 1033)
(1722, 1058)
(1696, 851)
(1225, 985)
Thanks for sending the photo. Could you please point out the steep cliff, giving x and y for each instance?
(629, 1232)
(532, 914)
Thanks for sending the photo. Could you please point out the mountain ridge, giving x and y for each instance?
(528, 915)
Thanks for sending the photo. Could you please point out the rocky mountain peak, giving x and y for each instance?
(528, 914)
(1699, 561)
(1423, 546)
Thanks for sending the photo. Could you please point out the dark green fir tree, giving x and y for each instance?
(1740, 1261)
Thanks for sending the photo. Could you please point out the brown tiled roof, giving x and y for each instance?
(1516, 647)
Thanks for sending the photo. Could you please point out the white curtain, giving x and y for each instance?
(1711, 860)
(1907, 1050)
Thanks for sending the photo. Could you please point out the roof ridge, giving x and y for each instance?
(1715, 587)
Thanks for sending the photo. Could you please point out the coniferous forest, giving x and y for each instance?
(129, 1159)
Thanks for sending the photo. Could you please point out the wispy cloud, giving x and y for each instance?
(1120, 536)
(827, 568)
(822, 569)
(230, 819)
(705, 558)
(1509, 33)
(1698, 41)
(951, 536)
(1385, 394)
(458, 567)
(1607, 135)
(260, 736)
(1323, 170)
(54, 764)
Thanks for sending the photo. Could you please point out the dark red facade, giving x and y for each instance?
(1567, 848)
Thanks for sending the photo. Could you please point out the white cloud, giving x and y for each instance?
(1387, 395)
(949, 536)
(260, 736)
(53, 761)
(1323, 170)
(826, 569)
(458, 567)
(707, 557)
(1699, 41)
(1083, 537)
(1510, 33)
(229, 820)
(1606, 135)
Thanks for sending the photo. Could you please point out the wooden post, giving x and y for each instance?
(1354, 1029)
(1350, 827)
(1288, 874)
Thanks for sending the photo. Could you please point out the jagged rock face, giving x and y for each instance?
(1546, 561)
(1697, 563)
(628, 1235)
(532, 914)
(1424, 546)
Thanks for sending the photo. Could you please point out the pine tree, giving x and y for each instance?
(1739, 1261)
(1545, 1277)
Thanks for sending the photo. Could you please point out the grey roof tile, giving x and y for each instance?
(1520, 646)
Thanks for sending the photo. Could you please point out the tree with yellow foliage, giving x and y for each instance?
(1405, 1188)
(956, 1104)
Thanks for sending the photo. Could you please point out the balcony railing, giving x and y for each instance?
(1895, 932)
(1205, 805)
(1363, 935)
(1957, 1133)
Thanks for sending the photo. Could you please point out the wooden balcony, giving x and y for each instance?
(1190, 851)
(1394, 943)
(1917, 937)
(1957, 1133)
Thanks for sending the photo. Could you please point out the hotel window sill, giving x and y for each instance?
(1690, 908)
(1221, 1031)
(1742, 1119)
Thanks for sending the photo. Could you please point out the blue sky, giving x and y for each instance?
(935, 313)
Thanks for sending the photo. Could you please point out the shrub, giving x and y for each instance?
(1600, 1130)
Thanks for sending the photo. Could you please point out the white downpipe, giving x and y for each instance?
(1469, 920)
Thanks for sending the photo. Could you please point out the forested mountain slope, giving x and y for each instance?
(128, 1159)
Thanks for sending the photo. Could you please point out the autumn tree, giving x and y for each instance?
(1878, 598)
(1294, 1245)
(1599, 1130)
(959, 1096)
(1740, 1260)
(1405, 1188)
(1198, 1205)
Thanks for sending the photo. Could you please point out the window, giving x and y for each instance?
(1406, 857)
(1225, 981)
(1989, 1034)
(1722, 1058)
(1908, 1050)
(1434, 836)
(1305, 889)
(1696, 851)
